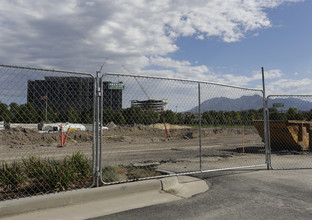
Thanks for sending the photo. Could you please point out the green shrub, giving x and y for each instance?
(11, 175)
(81, 165)
(57, 175)
(35, 175)
(34, 167)
(113, 174)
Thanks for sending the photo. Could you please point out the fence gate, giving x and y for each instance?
(35, 157)
(290, 129)
(152, 127)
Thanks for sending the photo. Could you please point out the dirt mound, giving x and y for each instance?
(168, 126)
(23, 136)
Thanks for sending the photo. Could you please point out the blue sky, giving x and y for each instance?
(211, 40)
(285, 46)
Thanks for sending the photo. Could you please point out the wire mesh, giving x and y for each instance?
(229, 137)
(152, 127)
(290, 131)
(46, 119)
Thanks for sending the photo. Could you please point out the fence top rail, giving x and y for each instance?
(289, 96)
(47, 70)
(184, 80)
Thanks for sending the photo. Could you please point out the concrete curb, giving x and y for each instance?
(103, 200)
(74, 197)
(184, 186)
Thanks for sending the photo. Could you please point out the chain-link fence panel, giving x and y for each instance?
(46, 131)
(148, 131)
(230, 136)
(153, 127)
(290, 131)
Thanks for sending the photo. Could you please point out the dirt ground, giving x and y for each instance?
(153, 133)
(138, 145)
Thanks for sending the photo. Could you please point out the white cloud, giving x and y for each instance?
(241, 80)
(255, 35)
(200, 37)
(290, 87)
(80, 35)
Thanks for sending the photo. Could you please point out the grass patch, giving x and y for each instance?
(35, 176)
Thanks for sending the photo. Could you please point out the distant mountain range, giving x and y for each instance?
(251, 102)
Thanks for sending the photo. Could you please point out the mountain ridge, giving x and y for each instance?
(250, 102)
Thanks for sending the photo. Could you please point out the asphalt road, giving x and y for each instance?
(245, 194)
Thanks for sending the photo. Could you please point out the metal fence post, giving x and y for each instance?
(101, 127)
(268, 133)
(200, 130)
(98, 94)
(94, 134)
(265, 124)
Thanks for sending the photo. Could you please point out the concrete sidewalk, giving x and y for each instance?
(89, 203)
(243, 194)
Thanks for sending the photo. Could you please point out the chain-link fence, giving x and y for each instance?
(46, 131)
(290, 131)
(63, 130)
(231, 112)
(154, 127)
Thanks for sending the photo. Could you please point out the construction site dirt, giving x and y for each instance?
(176, 150)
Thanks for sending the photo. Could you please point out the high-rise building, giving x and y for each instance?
(62, 93)
(151, 104)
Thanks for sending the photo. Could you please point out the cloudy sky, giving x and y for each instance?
(210, 40)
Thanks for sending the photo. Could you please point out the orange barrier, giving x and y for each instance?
(166, 130)
(63, 140)
(61, 136)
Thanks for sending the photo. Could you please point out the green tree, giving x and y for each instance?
(190, 119)
(208, 118)
(150, 117)
(278, 116)
(180, 118)
(119, 118)
(108, 115)
(5, 114)
(244, 118)
(168, 117)
(133, 115)
(28, 113)
(237, 118)
(293, 114)
(138, 115)
(15, 112)
(308, 115)
(221, 117)
(51, 116)
(87, 116)
(252, 114)
(260, 114)
(72, 115)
